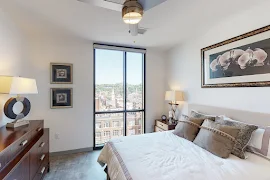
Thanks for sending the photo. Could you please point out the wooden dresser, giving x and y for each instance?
(163, 125)
(24, 152)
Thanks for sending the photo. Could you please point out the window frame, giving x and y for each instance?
(106, 123)
(124, 111)
(115, 134)
(107, 133)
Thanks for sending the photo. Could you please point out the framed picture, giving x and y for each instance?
(61, 98)
(61, 73)
(243, 61)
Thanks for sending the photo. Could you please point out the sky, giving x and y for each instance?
(109, 67)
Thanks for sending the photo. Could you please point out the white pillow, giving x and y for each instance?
(260, 142)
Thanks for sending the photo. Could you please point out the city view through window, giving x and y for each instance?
(119, 94)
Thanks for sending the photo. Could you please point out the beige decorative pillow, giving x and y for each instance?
(216, 138)
(196, 114)
(188, 127)
(243, 136)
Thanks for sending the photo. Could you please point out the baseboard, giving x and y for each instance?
(71, 151)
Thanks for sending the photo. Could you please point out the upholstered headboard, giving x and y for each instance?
(256, 118)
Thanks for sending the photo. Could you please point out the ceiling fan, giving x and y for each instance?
(132, 11)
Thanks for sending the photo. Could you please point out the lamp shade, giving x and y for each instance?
(174, 96)
(17, 85)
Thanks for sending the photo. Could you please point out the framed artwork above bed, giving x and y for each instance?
(243, 61)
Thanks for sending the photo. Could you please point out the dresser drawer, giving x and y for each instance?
(20, 171)
(19, 145)
(162, 125)
(39, 153)
(42, 146)
(43, 169)
(36, 128)
(4, 158)
(157, 129)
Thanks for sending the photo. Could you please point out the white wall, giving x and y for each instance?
(30, 56)
(10, 54)
(28, 45)
(155, 87)
(185, 62)
(75, 125)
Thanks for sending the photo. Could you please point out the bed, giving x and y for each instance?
(165, 156)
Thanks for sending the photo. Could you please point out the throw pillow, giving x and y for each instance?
(216, 138)
(242, 138)
(188, 127)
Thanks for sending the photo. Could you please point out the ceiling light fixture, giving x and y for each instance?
(132, 12)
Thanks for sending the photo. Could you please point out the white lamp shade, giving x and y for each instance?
(132, 18)
(17, 85)
(174, 96)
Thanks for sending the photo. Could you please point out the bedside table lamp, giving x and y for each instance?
(17, 86)
(173, 97)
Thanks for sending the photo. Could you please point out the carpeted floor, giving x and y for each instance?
(81, 166)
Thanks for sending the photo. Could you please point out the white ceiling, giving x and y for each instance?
(170, 23)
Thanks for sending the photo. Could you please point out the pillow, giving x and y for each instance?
(243, 137)
(184, 117)
(188, 127)
(260, 142)
(216, 138)
(196, 114)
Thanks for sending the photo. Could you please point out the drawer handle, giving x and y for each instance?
(42, 170)
(24, 143)
(39, 129)
(42, 144)
(42, 157)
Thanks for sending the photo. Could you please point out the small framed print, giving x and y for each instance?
(61, 73)
(61, 98)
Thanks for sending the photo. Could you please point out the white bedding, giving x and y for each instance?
(164, 156)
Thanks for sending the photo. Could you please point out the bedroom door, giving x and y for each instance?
(119, 91)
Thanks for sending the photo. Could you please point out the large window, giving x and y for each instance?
(119, 77)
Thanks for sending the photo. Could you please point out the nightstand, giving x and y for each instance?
(163, 126)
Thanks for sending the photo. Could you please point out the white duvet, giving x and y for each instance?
(164, 156)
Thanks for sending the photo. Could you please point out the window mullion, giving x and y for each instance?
(125, 93)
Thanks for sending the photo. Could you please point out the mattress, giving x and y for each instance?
(165, 156)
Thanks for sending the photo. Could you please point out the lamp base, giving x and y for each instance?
(8, 108)
(17, 124)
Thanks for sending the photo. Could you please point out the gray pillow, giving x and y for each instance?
(216, 138)
(188, 127)
(243, 137)
(196, 114)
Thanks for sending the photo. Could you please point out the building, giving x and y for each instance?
(110, 126)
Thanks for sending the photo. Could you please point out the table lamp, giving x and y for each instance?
(173, 97)
(17, 86)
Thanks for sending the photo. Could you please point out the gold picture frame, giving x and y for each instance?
(61, 98)
(258, 34)
(61, 73)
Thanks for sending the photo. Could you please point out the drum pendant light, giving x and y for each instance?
(132, 12)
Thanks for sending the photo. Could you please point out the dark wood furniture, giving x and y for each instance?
(163, 125)
(24, 152)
